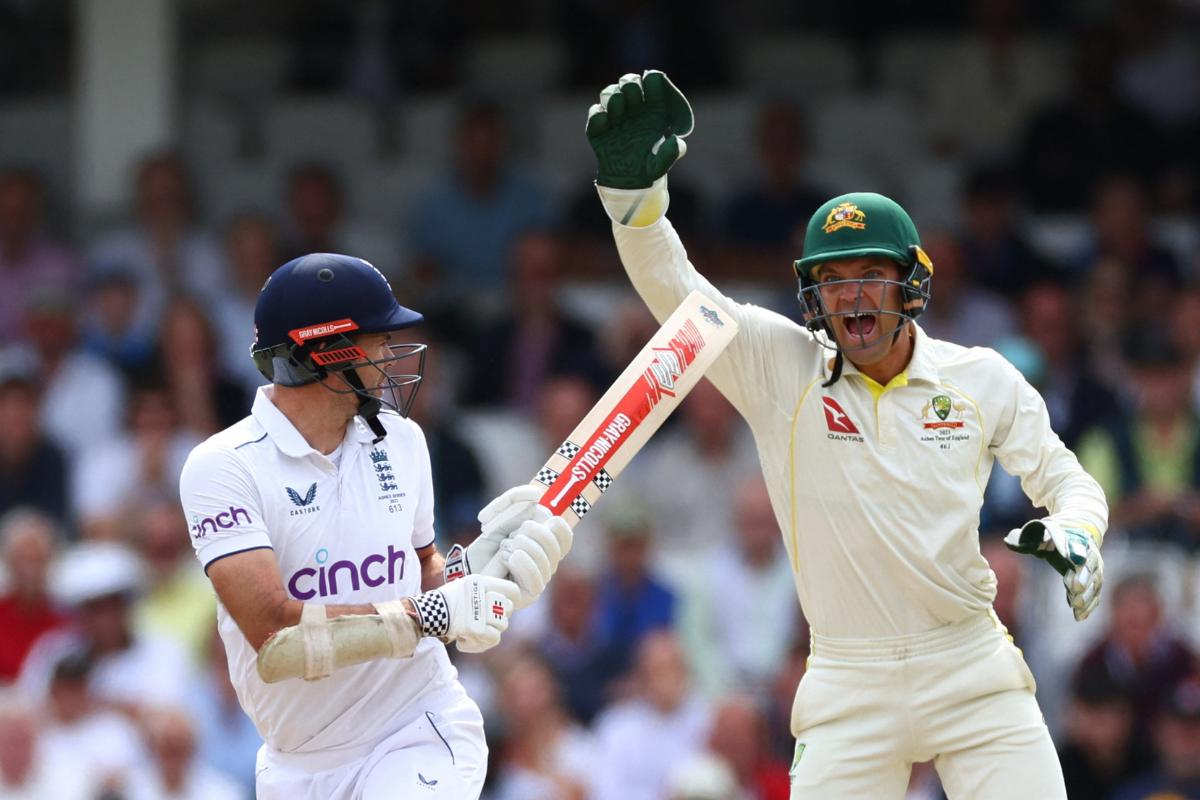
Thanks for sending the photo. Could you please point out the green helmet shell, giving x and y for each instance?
(858, 224)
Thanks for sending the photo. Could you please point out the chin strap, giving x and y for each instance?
(368, 406)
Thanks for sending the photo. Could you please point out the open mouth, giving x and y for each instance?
(860, 325)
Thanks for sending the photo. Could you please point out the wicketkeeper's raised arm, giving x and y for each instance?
(637, 131)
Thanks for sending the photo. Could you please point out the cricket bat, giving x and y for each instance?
(584, 466)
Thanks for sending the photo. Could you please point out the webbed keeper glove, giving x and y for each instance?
(1073, 551)
(637, 131)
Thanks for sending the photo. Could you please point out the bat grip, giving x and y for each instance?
(494, 568)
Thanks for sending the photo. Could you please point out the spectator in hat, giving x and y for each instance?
(33, 471)
(100, 582)
(27, 543)
(1177, 737)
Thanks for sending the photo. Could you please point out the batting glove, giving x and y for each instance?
(497, 521)
(1072, 551)
(472, 612)
(637, 130)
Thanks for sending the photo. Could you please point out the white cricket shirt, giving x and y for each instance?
(877, 490)
(345, 533)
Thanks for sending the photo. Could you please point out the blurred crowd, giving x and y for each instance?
(633, 679)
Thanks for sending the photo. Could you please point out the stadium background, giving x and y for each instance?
(158, 159)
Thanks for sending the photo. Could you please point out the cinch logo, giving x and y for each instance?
(837, 419)
(374, 570)
(222, 521)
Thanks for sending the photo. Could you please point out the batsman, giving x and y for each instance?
(876, 442)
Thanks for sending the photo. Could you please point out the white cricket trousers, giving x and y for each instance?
(438, 752)
(961, 695)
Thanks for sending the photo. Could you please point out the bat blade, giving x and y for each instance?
(584, 466)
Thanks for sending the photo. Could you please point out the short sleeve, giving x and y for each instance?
(221, 504)
(423, 530)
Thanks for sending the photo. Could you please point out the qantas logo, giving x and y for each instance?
(841, 427)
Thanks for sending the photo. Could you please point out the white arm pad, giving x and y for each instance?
(318, 646)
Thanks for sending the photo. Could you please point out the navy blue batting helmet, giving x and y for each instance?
(307, 315)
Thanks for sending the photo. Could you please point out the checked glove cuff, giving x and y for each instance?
(433, 614)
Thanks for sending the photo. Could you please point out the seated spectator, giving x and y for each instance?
(743, 638)
(763, 218)
(226, 738)
(702, 776)
(98, 582)
(33, 471)
(466, 222)
(545, 754)
(165, 248)
(1183, 329)
(1139, 653)
(178, 602)
(253, 250)
(27, 543)
(997, 254)
(1148, 463)
(533, 337)
(738, 735)
(640, 740)
(67, 372)
(633, 600)
(28, 258)
(29, 771)
(1177, 740)
(110, 326)
(965, 314)
(1098, 748)
(174, 772)
(571, 644)
(106, 744)
(206, 399)
(146, 461)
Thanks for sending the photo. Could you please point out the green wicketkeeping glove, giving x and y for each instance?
(1073, 553)
(637, 130)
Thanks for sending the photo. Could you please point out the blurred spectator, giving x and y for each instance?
(533, 337)
(739, 736)
(708, 446)
(178, 602)
(204, 396)
(765, 217)
(1098, 747)
(27, 543)
(104, 743)
(465, 223)
(741, 635)
(1183, 329)
(703, 776)
(1089, 126)
(318, 223)
(28, 259)
(633, 600)
(110, 327)
(997, 254)
(174, 772)
(783, 696)
(227, 739)
(146, 461)
(1105, 304)
(68, 373)
(254, 252)
(1148, 463)
(1139, 653)
(165, 248)
(99, 582)
(1177, 737)
(33, 471)
(546, 754)
(1076, 399)
(1159, 68)
(641, 738)
(964, 313)
(571, 644)
(457, 474)
(29, 771)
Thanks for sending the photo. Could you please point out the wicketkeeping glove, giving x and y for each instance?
(1072, 551)
(637, 130)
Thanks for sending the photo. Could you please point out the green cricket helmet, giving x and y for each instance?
(855, 225)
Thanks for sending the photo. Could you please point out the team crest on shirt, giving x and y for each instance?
(942, 421)
(388, 488)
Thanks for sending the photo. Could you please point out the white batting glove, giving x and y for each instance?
(497, 521)
(471, 612)
(1072, 551)
(531, 556)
